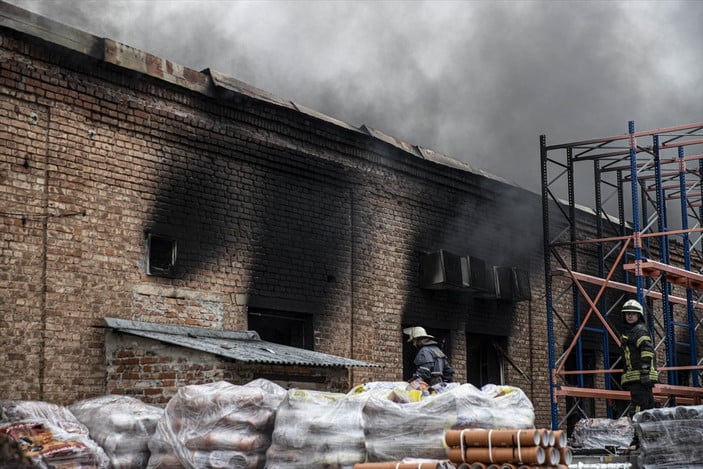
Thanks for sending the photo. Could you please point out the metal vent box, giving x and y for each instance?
(445, 270)
(511, 284)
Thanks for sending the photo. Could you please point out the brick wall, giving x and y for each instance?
(153, 371)
(267, 205)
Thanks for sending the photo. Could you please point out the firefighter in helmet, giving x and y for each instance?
(431, 364)
(637, 350)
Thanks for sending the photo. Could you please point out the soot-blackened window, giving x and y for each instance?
(282, 327)
(160, 255)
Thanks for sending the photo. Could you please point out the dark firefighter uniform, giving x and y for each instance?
(432, 365)
(640, 373)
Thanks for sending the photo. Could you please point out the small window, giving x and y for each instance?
(160, 255)
(281, 327)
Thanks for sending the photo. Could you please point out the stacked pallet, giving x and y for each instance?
(670, 437)
(478, 448)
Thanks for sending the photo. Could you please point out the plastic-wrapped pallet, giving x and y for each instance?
(122, 425)
(394, 431)
(598, 433)
(50, 435)
(216, 425)
(56, 415)
(670, 437)
(492, 406)
(318, 429)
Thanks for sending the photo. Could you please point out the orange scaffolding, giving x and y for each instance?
(594, 261)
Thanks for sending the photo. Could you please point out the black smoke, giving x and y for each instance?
(476, 80)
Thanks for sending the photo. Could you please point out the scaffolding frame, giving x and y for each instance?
(649, 258)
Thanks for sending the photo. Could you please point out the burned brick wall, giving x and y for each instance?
(269, 207)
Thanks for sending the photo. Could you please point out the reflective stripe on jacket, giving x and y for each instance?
(637, 355)
(432, 365)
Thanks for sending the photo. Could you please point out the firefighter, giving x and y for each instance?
(637, 350)
(431, 364)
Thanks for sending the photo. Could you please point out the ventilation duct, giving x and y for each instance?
(511, 284)
(443, 270)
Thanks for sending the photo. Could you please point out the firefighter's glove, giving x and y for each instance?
(644, 378)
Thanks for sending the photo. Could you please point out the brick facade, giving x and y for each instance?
(270, 206)
(152, 371)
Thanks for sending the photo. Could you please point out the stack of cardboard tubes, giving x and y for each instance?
(508, 448)
(479, 448)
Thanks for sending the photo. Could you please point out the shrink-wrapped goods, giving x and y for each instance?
(416, 429)
(50, 435)
(492, 406)
(49, 446)
(394, 431)
(318, 429)
(670, 437)
(121, 425)
(216, 425)
(599, 433)
(56, 415)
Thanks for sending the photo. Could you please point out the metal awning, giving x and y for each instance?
(243, 346)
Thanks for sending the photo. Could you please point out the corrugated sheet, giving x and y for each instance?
(244, 346)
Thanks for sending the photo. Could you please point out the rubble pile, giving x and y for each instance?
(670, 437)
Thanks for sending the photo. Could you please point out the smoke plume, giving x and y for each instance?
(476, 80)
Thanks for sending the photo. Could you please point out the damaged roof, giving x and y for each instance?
(208, 82)
(243, 346)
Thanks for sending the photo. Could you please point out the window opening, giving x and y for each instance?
(484, 361)
(283, 327)
(160, 255)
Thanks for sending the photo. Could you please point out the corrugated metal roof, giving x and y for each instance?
(244, 346)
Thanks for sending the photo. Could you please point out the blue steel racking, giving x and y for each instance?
(637, 258)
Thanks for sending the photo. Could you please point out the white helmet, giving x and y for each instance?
(416, 333)
(633, 306)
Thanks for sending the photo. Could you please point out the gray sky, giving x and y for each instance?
(476, 80)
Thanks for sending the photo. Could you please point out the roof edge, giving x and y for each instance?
(206, 82)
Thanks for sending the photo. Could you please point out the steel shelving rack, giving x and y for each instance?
(638, 235)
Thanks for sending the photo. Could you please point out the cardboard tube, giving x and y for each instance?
(526, 454)
(566, 456)
(546, 437)
(553, 455)
(485, 437)
(560, 440)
